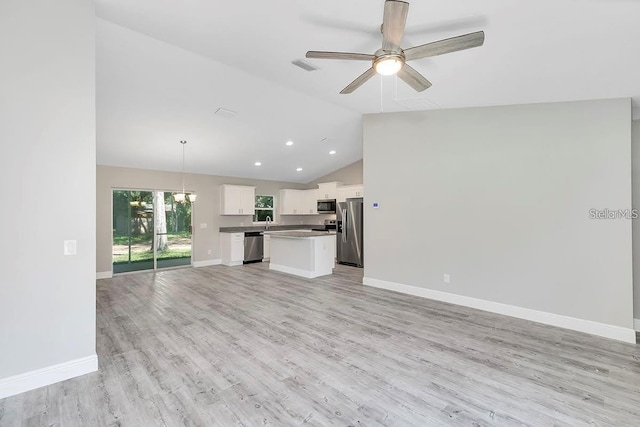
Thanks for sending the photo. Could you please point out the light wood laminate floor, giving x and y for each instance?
(247, 346)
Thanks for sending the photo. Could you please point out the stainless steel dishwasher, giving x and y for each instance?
(253, 246)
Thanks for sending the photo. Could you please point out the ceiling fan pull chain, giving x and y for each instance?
(381, 106)
(395, 95)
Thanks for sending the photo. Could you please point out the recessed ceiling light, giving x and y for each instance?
(299, 170)
(289, 143)
(257, 164)
(332, 152)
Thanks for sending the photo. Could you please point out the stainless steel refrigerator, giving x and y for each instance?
(350, 232)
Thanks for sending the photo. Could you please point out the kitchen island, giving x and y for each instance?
(303, 253)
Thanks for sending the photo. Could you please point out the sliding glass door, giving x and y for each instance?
(133, 233)
(150, 231)
(173, 231)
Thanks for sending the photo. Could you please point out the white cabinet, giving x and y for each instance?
(328, 190)
(291, 202)
(349, 191)
(232, 248)
(237, 200)
(298, 202)
(310, 202)
(266, 248)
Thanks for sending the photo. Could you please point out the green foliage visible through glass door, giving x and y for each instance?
(138, 217)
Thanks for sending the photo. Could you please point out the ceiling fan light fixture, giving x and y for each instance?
(388, 65)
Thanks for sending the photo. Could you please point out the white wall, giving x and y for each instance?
(348, 175)
(499, 198)
(206, 209)
(47, 179)
(635, 155)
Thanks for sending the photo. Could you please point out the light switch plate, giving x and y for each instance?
(70, 247)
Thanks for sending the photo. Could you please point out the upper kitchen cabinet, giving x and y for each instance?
(298, 202)
(328, 190)
(291, 202)
(310, 202)
(350, 191)
(237, 200)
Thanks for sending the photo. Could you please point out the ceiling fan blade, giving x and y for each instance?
(359, 81)
(395, 18)
(339, 55)
(414, 78)
(441, 47)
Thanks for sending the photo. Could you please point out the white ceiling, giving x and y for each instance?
(165, 67)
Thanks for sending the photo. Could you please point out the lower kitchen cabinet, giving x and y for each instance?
(232, 248)
(266, 247)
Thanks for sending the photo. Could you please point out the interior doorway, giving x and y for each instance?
(150, 231)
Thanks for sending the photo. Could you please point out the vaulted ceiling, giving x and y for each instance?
(165, 67)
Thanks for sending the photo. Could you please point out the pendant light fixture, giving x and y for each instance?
(183, 197)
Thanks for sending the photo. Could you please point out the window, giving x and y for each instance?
(264, 209)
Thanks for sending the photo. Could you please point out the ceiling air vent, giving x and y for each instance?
(307, 66)
(223, 112)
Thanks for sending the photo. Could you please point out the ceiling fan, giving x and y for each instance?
(392, 59)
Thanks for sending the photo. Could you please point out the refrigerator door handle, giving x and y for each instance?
(345, 227)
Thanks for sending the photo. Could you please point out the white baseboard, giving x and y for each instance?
(297, 271)
(590, 327)
(636, 324)
(232, 263)
(206, 263)
(52, 374)
(104, 275)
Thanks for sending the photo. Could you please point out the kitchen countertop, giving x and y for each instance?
(271, 228)
(298, 234)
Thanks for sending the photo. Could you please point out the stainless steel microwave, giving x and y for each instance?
(327, 206)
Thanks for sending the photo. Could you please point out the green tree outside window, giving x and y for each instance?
(264, 209)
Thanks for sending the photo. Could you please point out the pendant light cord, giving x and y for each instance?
(183, 144)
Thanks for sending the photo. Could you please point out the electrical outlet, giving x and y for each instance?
(447, 278)
(70, 247)
(209, 252)
(203, 225)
